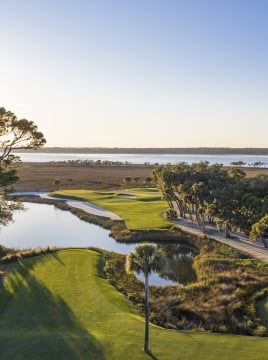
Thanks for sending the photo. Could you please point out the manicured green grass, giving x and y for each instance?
(55, 306)
(143, 211)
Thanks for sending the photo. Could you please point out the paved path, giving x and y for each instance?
(238, 241)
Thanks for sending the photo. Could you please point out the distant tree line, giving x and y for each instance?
(193, 150)
(96, 163)
(242, 163)
(211, 193)
(91, 163)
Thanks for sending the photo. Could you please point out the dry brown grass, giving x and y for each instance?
(41, 176)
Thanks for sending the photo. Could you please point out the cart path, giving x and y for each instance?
(238, 240)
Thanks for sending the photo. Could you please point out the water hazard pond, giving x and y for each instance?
(42, 225)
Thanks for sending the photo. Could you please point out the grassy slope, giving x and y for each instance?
(61, 309)
(144, 211)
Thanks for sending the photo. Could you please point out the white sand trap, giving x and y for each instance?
(129, 196)
(92, 209)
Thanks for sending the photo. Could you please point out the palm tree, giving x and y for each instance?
(127, 179)
(145, 258)
(148, 180)
(136, 179)
(57, 183)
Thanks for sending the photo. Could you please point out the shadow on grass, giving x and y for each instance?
(151, 355)
(36, 323)
(55, 256)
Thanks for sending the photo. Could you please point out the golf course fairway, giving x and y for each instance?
(56, 306)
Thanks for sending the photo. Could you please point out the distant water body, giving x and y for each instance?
(161, 159)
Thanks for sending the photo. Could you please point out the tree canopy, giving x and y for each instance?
(14, 134)
(259, 230)
(213, 193)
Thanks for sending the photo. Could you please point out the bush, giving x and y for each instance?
(171, 214)
(260, 331)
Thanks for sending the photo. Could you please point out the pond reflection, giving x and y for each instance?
(179, 267)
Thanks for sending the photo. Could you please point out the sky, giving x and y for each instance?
(138, 73)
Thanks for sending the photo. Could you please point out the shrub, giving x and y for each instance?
(260, 331)
(171, 214)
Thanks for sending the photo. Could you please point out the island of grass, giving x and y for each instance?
(57, 306)
(140, 208)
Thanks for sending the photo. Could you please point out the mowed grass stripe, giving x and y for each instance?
(61, 309)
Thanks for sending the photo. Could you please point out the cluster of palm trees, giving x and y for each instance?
(212, 193)
(137, 179)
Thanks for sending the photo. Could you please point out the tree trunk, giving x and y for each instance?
(264, 241)
(146, 308)
(204, 224)
(228, 230)
(180, 207)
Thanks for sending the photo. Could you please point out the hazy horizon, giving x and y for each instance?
(138, 74)
(154, 147)
(152, 150)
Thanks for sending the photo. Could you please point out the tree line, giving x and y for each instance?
(91, 163)
(214, 194)
(192, 150)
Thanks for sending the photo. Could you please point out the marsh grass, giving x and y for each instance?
(223, 299)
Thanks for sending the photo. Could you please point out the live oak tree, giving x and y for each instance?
(14, 134)
(209, 193)
(259, 230)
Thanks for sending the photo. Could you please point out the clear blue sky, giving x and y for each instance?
(138, 73)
